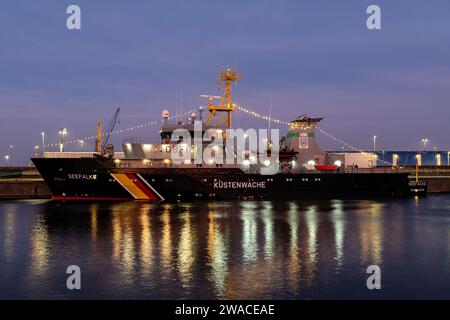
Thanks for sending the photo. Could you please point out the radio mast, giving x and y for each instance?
(220, 113)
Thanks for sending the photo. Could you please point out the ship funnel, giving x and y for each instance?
(301, 137)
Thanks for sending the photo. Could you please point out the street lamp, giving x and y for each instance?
(43, 142)
(424, 141)
(374, 156)
(62, 133)
(7, 160)
(10, 156)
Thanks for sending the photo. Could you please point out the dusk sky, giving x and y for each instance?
(316, 57)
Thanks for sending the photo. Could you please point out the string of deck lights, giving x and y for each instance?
(118, 131)
(321, 130)
(245, 110)
(261, 116)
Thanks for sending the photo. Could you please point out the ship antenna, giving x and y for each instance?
(270, 116)
(180, 105)
(176, 106)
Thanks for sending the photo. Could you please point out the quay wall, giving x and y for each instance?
(24, 189)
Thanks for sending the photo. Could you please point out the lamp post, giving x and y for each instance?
(418, 162)
(43, 142)
(7, 160)
(81, 144)
(374, 156)
(36, 151)
(424, 141)
(62, 133)
(10, 156)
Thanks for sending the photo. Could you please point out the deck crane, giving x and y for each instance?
(105, 148)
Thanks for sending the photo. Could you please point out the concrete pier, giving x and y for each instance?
(437, 184)
(22, 183)
(437, 177)
(24, 189)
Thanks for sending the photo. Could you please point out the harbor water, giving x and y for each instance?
(226, 250)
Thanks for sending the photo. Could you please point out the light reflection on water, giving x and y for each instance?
(145, 252)
(339, 230)
(294, 260)
(231, 250)
(217, 254)
(249, 241)
(165, 244)
(9, 230)
(186, 248)
(40, 250)
(371, 234)
(311, 217)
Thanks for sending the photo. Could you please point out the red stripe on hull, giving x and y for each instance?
(142, 187)
(59, 198)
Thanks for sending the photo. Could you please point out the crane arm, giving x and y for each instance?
(112, 123)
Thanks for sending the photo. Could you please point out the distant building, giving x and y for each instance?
(409, 158)
(352, 159)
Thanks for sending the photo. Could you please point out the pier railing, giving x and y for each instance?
(423, 170)
(427, 170)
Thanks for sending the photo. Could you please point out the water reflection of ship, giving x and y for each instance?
(194, 246)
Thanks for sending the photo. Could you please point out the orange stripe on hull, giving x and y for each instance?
(142, 187)
(134, 186)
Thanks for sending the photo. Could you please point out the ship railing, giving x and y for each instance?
(142, 140)
(351, 169)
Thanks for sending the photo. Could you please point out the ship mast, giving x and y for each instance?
(220, 113)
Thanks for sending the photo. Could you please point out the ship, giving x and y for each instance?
(148, 172)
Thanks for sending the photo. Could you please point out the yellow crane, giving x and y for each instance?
(220, 113)
(99, 138)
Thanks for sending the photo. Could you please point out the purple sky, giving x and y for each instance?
(316, 57)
